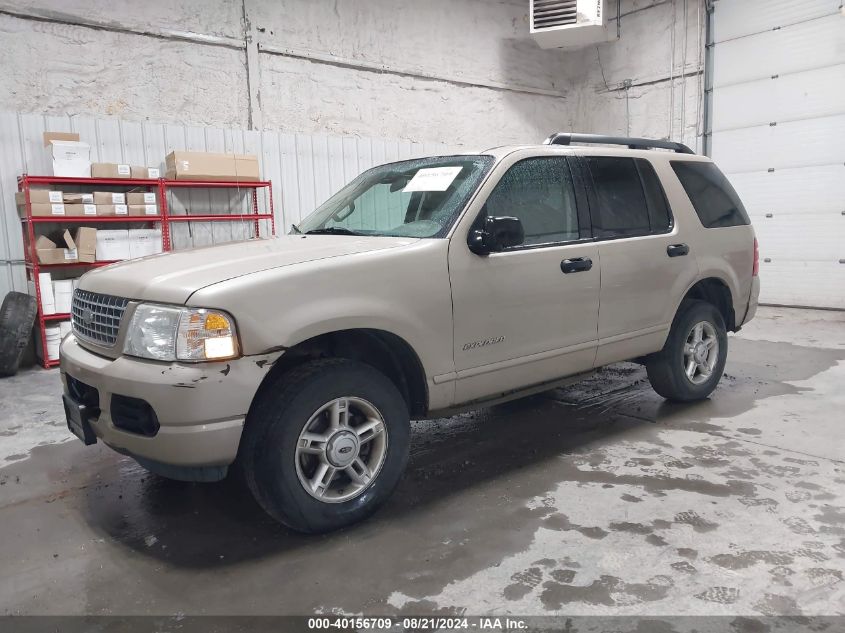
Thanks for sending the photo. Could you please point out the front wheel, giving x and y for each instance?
(691, 362)
(326, 445)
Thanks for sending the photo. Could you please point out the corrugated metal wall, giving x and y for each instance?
(305, 170)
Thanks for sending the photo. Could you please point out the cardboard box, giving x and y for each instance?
(63, 295)
(43, 242)
(143, 242)
(110, 170)
(40, 196)
(76, 198)
(112, 209)
(81, 209)
(112, 245)
(143, 209)
(70, 157)
(209, 166)
(43, 210)
(145, 173)
(141, 197)
(109, 197)
(85, 239)
(48, 301)
(49, 253)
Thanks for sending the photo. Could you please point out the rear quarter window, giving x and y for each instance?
(714, 199)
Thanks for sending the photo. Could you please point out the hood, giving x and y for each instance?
(173, 277)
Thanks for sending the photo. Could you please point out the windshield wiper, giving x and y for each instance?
(333, 230)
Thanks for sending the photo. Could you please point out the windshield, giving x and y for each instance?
(413, 198)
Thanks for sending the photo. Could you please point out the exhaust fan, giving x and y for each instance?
(569, 23)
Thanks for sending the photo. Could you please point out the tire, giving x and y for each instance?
(668, 369)
(280, 464)
(16, 318)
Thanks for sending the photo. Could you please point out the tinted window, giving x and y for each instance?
(539, 192)
(713, 197)
(659, 215)
(622, 208)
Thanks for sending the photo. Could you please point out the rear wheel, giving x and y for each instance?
(691, 362)
(325, 445)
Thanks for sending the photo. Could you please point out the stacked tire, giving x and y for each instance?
(17, 316)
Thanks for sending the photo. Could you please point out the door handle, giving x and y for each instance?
(677, 250)
(576, 265)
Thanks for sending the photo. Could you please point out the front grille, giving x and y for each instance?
(96, 317)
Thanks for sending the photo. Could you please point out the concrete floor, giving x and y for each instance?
(596, 499)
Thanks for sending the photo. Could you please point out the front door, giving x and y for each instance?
(529, 314)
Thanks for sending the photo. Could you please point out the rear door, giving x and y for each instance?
(647, 262)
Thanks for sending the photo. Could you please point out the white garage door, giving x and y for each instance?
(779, 135)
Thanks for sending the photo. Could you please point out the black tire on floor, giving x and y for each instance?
(16, 318)
(267, 453)
(666, 369)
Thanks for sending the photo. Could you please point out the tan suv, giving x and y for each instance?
(421, 288)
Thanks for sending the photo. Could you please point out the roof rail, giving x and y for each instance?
(565, 138)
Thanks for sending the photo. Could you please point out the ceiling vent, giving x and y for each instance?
(568, 23)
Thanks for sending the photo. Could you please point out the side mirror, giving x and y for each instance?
(495, 235)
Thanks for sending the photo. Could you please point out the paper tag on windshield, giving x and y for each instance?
(432, 179)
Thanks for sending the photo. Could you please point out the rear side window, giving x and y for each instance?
(712, 196)
(622, 208)
(658, 208)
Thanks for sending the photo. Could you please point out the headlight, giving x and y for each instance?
(190, 334)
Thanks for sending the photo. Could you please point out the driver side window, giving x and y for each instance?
(540, 193)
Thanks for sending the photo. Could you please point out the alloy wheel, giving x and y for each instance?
(701, 352)
(341, 449)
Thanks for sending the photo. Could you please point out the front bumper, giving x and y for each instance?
(200, 407)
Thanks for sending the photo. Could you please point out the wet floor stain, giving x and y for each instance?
(607, 590)
(720, 595)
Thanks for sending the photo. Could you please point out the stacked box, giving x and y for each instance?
(53, 335)
(143, 242)
(85, 240)
(112, 209)
(70, 157)
(145, 173)
(210, 166)
(42, 203)
(80, 209)
(110, 170)
(62, 294)
(48, 301)
(142, 203)
(111, 245)
(49, 252)
(77, 198)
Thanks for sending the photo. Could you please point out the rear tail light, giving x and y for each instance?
(756, 268)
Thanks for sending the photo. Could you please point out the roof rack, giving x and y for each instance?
(561, 138)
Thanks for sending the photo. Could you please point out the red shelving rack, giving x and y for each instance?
(253, 187)
(160, 187)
